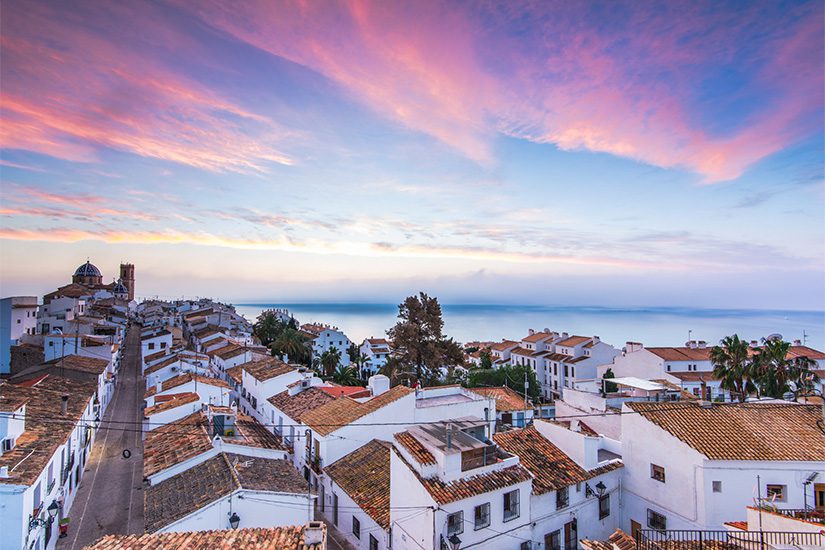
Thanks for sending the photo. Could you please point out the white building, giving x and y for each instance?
(325, 337)
(512, 409)
(572, 498)
(154, 340)
(695, 465)
(261, 379)
(18, 316)
(42, 462)
(377, 351)
(211, 390)
(450, 483)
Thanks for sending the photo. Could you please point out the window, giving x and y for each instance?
(562, 498)
(526, 545)
(657, 472)
(656, 520)
(717, 486)
(511, 505)
(373, 543)
(776, 492)
(455, 524)
(604, 506)
(356, 527)
(573, 372)
(482, 516)
(151, 345)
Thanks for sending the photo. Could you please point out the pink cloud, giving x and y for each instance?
(81, 90)
(622, 82)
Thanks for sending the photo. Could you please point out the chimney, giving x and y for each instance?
(596, 339)
(378, 384)
(64, 405)
(531, 332)
(314, 533)
(547, 330)
(449, 436)
(565, 335)
(575, 426)
(702, 344)
(797, 342)
(158, 386)
(754, 343)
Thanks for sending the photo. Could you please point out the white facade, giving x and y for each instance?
(154, 342)
(60, 314)
(326, 337)
(18, 316)
(687, 498)
(213, 394)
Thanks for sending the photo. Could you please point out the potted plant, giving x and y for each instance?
(64, 527)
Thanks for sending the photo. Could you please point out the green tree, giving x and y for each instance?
(508, 375)
(352, 352)
(732, 366)
(330, 360)
(775, 373)
(293, 343)
(609, 387)
(346, 376)
(268, 327)
(418, 341)
(394, 370)
(486, 360)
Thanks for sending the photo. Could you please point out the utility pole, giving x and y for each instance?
(526, 387)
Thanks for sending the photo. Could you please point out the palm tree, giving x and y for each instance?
(292, 343)
(776, 373)
(330, 360)
(346, 376)
(731, 365)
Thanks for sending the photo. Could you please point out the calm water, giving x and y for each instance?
(652, 326)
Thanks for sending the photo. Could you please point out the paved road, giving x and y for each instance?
(110, 497)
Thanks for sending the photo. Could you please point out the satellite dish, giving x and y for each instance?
(788, 396)
(775, 336)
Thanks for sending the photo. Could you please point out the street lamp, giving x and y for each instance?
(52, 509)
(234, 520)
(600, 489)
(455, 542)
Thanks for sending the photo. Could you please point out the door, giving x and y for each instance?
(571, 535)
(552, 541)
(635, 527)
(335, 509)
(320, 500)
(819, 496)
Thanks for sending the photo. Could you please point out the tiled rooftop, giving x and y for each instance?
(267, 368)
(296, 406)
(742, 431)
(183, 494)
(182, 379)
(228, 351)
(460, 489)
(550, 466)
(344, 410)
(364, 475)
(573, 341)
(42, 436)
(235, 374)
(506, 398)
(273, 538)
(191, 435)
(178, 400)
(80, 363)
(415, 448)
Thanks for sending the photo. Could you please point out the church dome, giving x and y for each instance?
(119, 288)
(87, 270)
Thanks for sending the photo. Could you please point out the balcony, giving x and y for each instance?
(67, 470)
(316, 464)
(652, 539)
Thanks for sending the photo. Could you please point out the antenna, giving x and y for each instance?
(804, 337)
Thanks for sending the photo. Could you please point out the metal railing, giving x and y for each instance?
(652, 539)
(67, 470)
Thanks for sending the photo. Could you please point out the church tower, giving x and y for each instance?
(127, 275)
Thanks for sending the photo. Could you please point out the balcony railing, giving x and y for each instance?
(652, 539)
(316, 464)
(67, 470)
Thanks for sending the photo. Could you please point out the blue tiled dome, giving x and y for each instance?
(87, 270)
(119, 288)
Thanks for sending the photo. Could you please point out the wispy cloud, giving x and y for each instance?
(576, 77)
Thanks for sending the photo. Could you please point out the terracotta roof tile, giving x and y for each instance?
(80, 363)
(537, 337)
(295, 406)
(267, 368)
(460, 489)
(365, 476)
(573, 341)
(235, 373)
(681, 353)
(182, 379)
(228, 351)
(415, 448)
(345, 410)
(522, 351)
(42, 435)
(550, 466)
(506, 398)
(273, 538)
(504, 345)
(152, 356)
(171, 360)
(741, 431)
(176, 401)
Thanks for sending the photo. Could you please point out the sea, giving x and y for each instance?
(653, 326)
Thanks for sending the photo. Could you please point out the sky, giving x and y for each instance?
(570, 153)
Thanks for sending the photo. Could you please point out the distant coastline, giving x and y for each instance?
(654, 325)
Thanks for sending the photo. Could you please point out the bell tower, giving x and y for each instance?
(127, 275)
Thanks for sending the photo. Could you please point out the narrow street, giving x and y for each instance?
(110, 497)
